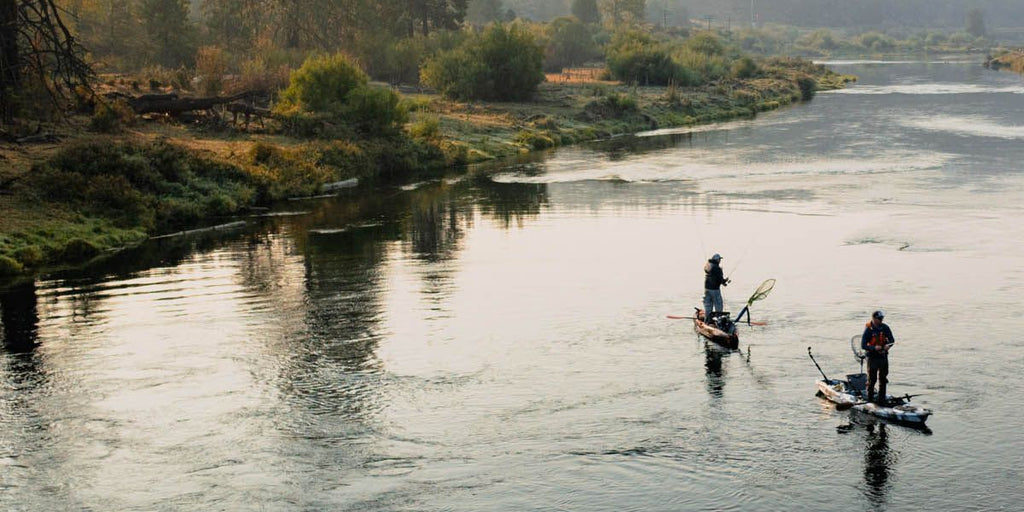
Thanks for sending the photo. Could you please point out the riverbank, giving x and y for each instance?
(1012, 60)
(91, 194)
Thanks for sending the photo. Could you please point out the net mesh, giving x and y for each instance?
(762, 291)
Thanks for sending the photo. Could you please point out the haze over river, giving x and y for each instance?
(498, 341)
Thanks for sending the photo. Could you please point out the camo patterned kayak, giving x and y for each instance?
(896, 408)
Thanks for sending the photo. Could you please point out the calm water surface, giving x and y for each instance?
(498, 341)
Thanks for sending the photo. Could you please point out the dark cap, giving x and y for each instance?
(879, 314)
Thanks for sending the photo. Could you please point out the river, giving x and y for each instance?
(498, 340)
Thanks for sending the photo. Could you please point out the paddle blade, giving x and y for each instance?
(761, 291)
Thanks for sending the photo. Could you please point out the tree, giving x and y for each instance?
(436, 14)
(36, 44)
(618, 12)
(570, 42)
(169, 31)
(482, 12)
(586, 11)
(503, 63)
(976, 23)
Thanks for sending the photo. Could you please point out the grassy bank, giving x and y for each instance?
(93, 194)
(1012, 60)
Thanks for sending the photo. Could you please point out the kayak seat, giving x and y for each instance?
(858, 382)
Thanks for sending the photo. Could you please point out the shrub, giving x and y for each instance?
(30, 256)
(808, 86)
(427, 126)
(211, 65)
(744, 67)
(375, 110)
(322, 85)
(503, 64)
(78, 250)
(111, 117)
(9, 266)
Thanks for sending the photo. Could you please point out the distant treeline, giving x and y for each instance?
(946, 14)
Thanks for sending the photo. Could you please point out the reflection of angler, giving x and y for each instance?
(713, 370)
(878, 459)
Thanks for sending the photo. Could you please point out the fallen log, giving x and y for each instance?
(171, 104)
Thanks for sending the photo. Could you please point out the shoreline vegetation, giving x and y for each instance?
(92, 194)
(1007, 59)
(158, 149)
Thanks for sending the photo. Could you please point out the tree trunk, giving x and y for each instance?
(10, 75)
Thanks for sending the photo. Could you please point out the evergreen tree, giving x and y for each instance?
(586, 11)
(169, 31)
(976, 23)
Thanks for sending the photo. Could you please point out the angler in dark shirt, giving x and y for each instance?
(876, 341)
(714, 280)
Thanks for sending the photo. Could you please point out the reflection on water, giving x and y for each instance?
(496, 340)
(19, 318)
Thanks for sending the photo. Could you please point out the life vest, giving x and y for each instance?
(877, 338)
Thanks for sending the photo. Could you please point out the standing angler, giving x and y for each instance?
(876, 341)
(714, 280)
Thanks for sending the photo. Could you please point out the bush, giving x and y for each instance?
(427, 126)
(808, 86)
(329, 94)
(78, 250)
(9, 266)
(744, 67)
(502, 64)
(30, 256)
(375, 111)
(111, 117)
(211, 65)
(322, 85)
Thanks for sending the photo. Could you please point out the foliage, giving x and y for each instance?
(975, 24)
(744, 67)
(138, 186)
(706, 43)
(622, 12)
(570, 42)
(586, 11)
(322, 85)
(111, 117)
(9, 266)
(504, 64)
(329, 94)
(633, 57)
(169, 32)
(211, 66)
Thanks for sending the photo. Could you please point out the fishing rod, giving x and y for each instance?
(816, 364)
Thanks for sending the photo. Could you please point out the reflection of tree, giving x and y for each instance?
(630, 146)
(19, 318)
(434, 228)
(510, 203)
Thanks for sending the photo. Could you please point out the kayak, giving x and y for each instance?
(722, 331)
(896, 408)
